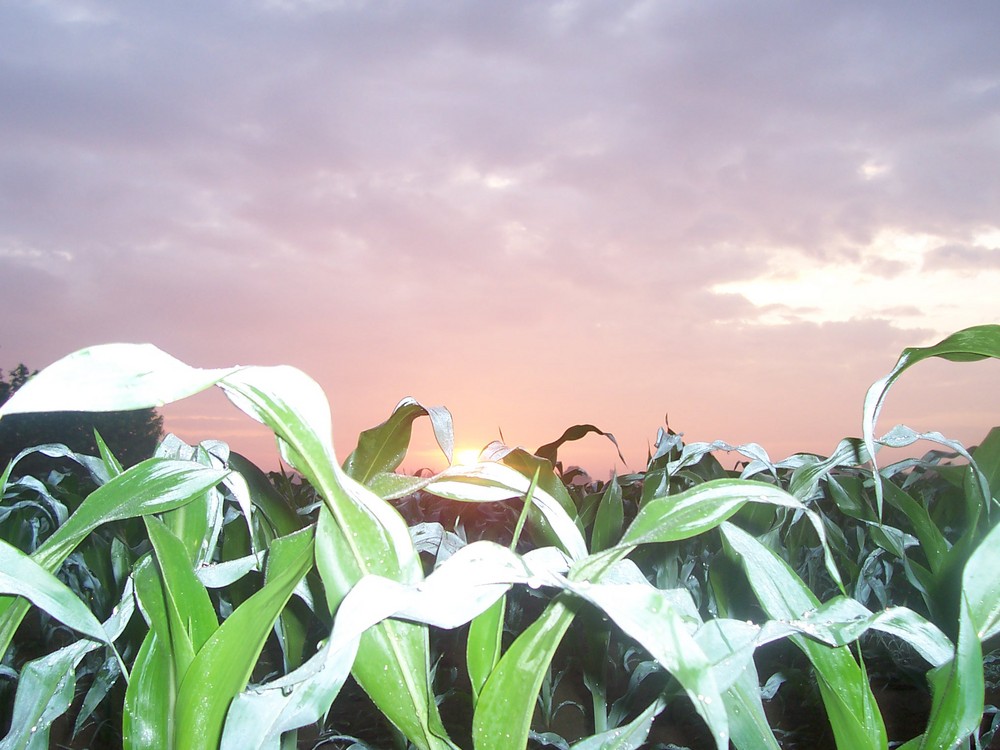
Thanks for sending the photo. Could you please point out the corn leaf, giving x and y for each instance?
(503, 714)
(111, 377)
(368, 535)
(550, 451)
(627, 737)
(748, 723)
(147, 713)
(382, 449)
(483, 645)
(152, 486)
(843, 684)
(610, 517)
(22, 576)
(957, 691)
(491, 482)
(967, 345)
(648, 615)
(44, 692)
(981, 585)
(223, 666)
(189, 617)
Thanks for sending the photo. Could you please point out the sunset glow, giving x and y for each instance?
(466, 457)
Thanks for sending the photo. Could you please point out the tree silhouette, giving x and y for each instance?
(131, 435)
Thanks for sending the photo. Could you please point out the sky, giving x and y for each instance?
(727, 216)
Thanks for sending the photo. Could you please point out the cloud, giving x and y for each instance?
(496, 198)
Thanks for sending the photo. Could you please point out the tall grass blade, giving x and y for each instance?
(189, 616)
(610, 517)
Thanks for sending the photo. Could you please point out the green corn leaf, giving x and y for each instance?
(152, 486)
(112, 377)
(94, 466)
(155, 485)
(843, 684)
(987, 458)
(981, 585)
(628, 737)
(194, 523)
(281, 516)
(382, 449)
(541, 471)
(22, 576)
(483, 645)
(147, 714)
(392, 665)
(806, 479)
(223, 666)
(45, 691)
(112, 465)
(970, 344)
(668, 518)
(503, 714)
(648, 615)
(748, 723)
(492, 482)
(46, 686)
(932, 541)
(369, 533)
(549, 451)
(957, 691)
(99, 689)
(610, 517)
(188, 610)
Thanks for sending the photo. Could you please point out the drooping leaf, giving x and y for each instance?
(111, 377)
(549, 451)
(381, 449)
(967, 345)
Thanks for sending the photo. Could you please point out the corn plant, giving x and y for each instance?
(648, 565)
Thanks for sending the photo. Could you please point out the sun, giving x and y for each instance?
(466, 457)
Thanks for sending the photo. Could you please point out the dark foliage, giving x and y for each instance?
(131, 435)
